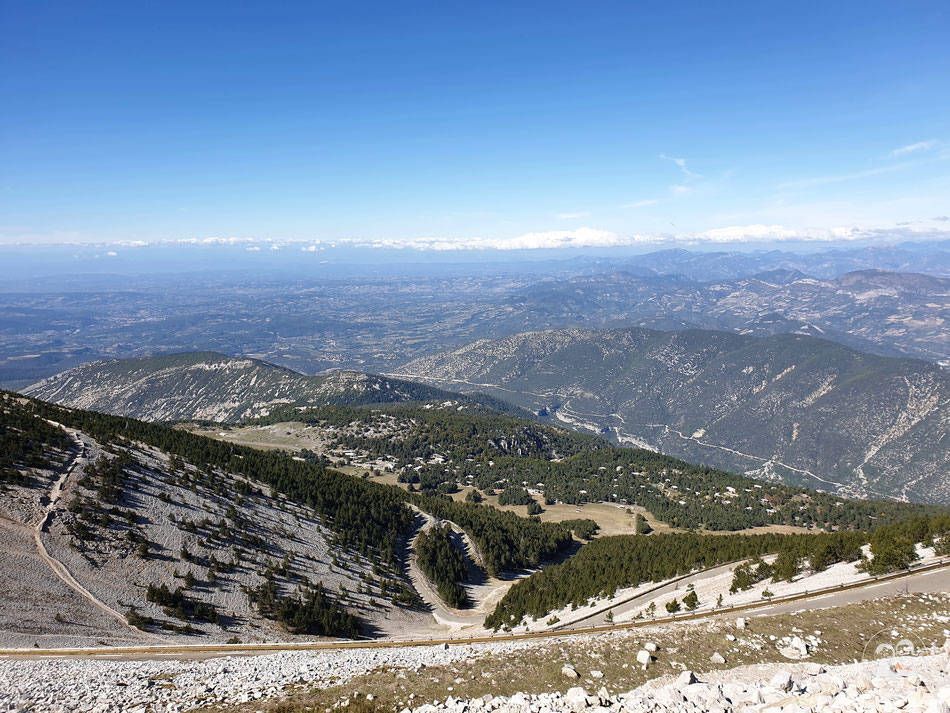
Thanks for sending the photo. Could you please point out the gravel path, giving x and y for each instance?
(59, 569)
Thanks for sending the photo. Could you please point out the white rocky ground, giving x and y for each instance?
(916, 684)
(909, 683)
(102, 685)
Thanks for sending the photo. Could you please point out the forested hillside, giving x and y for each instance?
(608, 564)
(788, 407)
(439, 448)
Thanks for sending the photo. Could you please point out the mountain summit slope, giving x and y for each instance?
(787, 406)
(212, 386)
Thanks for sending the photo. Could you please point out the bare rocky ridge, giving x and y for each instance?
(209, 386)
(790, 407)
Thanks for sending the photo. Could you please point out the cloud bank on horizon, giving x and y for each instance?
(579, 238)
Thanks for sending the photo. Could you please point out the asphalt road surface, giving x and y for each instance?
(927, 581)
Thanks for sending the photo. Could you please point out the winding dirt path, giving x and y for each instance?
(59, 569)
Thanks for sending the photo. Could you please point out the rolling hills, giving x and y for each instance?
(789, 406)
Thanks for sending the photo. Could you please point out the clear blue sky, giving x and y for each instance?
(405, 120)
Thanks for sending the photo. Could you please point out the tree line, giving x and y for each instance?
(606, 565)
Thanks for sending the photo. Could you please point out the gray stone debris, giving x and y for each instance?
(914, 685)
(919, 684)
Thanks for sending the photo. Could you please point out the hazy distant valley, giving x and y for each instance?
(378, 322)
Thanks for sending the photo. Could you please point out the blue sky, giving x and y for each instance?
(451, 124)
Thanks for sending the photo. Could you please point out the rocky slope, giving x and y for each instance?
(91, 528)
(788, 406)
(211, 386)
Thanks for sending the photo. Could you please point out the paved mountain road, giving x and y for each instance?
(935, 578)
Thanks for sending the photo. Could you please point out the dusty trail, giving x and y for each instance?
(59, 569)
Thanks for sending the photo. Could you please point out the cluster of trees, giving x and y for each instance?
(305, 612)
(515, 495)
(25, 441)
(640, 525)
(443, 564)
(176, 603)
(505, 541)
(748, 574)
(893, 546)
(583, 529)
(106, 474)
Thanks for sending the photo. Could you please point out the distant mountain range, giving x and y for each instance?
(788, 406)
(894, 314)
(931, 257)
(214, 387)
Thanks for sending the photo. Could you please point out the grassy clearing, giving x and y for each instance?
(844, 632)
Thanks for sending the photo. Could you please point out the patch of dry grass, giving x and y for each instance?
(844, 631)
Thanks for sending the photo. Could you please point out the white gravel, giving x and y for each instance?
(103, 685)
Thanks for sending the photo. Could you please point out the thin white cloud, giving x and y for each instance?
(641, 204)
(913, 148)
(112, 253)
(579, 238)
(594, 238)
(680, 190)
(226, 241)
(253, 249)
(681, 162)
(570, 216)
